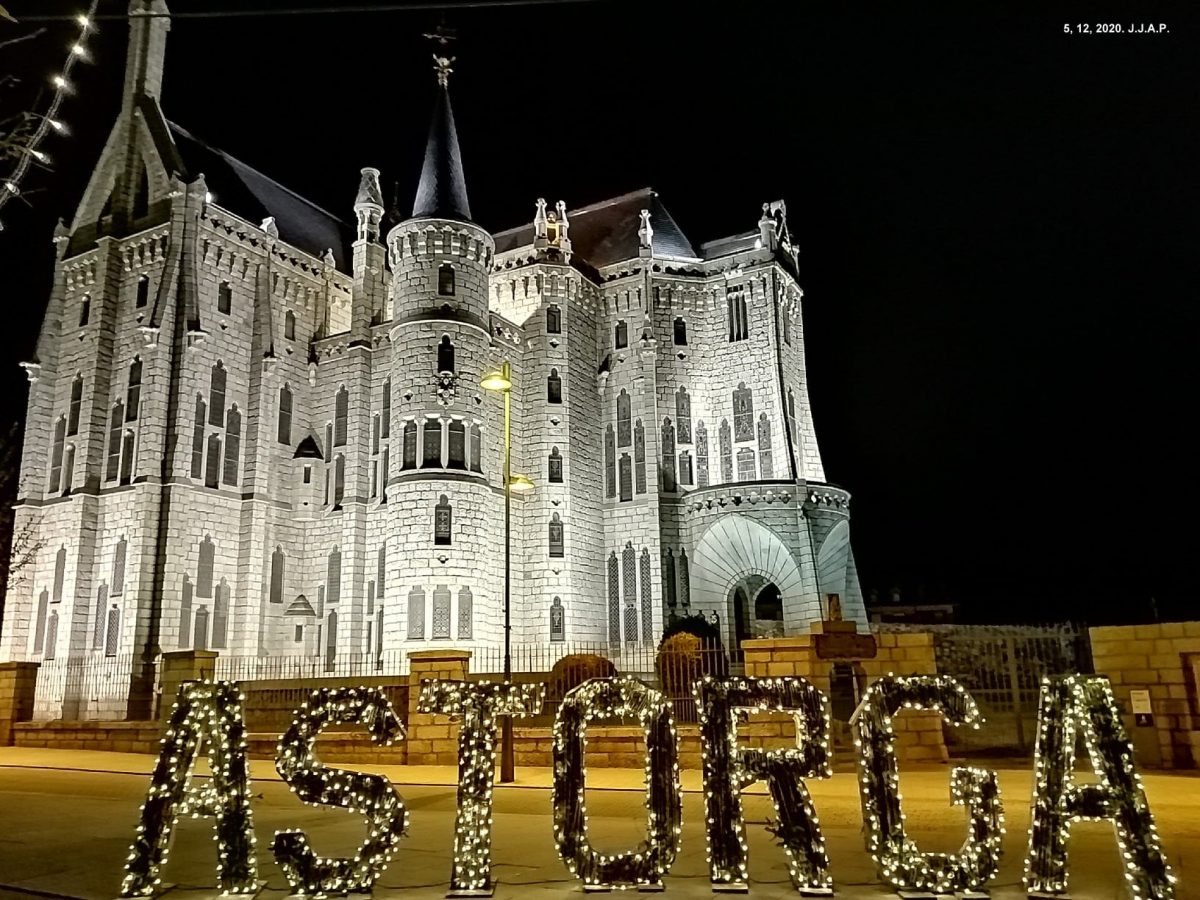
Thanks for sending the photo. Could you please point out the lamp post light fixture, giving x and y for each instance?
(513, 484)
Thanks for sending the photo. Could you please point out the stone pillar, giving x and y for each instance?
(433, 739)
(180, 666)
(18, 683)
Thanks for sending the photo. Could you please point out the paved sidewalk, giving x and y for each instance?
(67, 818)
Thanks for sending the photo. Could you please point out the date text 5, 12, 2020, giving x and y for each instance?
(1114, 28)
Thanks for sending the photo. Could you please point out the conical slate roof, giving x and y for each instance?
(442, 193)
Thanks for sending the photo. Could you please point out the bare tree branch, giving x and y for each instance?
(22, 37)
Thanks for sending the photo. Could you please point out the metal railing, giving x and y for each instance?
(85, 687)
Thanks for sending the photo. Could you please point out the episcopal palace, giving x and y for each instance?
(258, 427)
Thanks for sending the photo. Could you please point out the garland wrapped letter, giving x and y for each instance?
(645, 866)
(899, 861)
(729, 768)
(370, 795)
(209, 715)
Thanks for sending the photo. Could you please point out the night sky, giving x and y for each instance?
(997, 222)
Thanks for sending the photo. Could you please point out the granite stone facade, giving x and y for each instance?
(255, 429)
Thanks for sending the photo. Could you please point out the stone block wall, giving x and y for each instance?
(115, 737)
(433, 739)
(18, 681)
(1163, 659)
(919, 735)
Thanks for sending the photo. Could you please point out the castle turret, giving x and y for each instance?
(441, 347)
(370, 290)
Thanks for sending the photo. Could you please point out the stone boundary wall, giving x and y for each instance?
(1163, 659)
(117, 737)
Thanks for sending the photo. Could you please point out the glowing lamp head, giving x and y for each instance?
(519, 484)
(496, 381)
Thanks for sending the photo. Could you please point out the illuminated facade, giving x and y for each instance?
(256, 429)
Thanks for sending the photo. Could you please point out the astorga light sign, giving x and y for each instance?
(209, 714)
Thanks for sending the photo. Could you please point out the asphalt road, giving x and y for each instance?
(66, 834)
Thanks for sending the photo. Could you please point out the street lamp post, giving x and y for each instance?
(502, 382)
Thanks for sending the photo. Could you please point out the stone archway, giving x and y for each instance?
(739, 554)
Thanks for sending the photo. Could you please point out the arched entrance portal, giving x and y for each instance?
(744, 574)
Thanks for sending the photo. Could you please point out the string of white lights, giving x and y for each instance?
(31, 151)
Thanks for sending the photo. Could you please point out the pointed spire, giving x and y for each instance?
(149, 22)
(442, 192)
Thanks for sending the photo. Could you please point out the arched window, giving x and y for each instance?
(220, 619)
(52, 636)
(646, 602)
(456, 454)
(278, 561)
(701, 455)
(558, 623)
(442, 522)
(127, 445)
(466, 613)
(68, 469)
(143, 292)
(233, 445)
(626, 477)
(553, 319)
(685, 468)
(614, 598)
(200, 631)
(735, 306)
(743, 413)
(85, 310)
(39, 628)
(745, 464)
(341, 415)
(76, 403)
(204, 567)
(133, 394)
(554, 387)
(765, 463)
(216, 395)
(476, 448)
(680, 331)
(431, 444)
(289, 325)
(385, 424)
(554, 474)
(668, 577)
(333, 576)
(683, 415)
(639, 456)
(621, 336)
(185, 614)
(198, 438)
(339, 480)
(416, 614)
(445, 355)
(685, 580)
(610, 463)
(212, 468)
(284, 430)
(56, 454)
(725, 440)
(381, 570)
(115, 420)
(668, 455)
(60, 574)
(624, 419)
(556, 538)
(224, 298)
(787, 327)
(445, 280)
(441, 612)
(408, 454)
(331, 627)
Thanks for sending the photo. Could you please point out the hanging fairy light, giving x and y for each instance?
(371, 796)
(1077, 706)
(730, 767)
(207, 715)
(31, 152)
(644, 866)
(899, 861)
(477, 704)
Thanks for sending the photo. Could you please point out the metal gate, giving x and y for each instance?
(1002, 666)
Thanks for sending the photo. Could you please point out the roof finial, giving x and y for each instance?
(442, 36)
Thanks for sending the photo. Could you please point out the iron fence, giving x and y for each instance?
(85, 687)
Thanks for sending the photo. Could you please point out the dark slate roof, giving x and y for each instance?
(442, 191)
(248, 193)
(607, 232)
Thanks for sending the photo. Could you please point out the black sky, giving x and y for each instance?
(998, 226)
